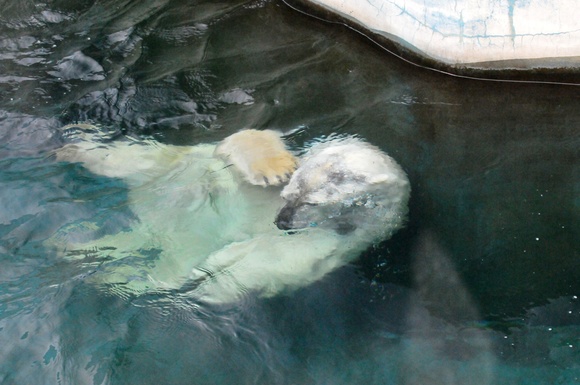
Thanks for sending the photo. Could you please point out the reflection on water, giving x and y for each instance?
(481, 288)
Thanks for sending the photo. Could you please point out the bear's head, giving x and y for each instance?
(346, 185)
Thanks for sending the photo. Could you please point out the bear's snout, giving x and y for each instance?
(285, 217)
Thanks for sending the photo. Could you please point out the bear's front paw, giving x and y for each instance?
(260, 156)
(274, 170)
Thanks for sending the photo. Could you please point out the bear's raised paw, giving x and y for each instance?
(260, 156)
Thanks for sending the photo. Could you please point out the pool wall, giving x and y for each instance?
(540, 36)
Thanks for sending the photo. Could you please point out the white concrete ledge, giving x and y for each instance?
(475, 33)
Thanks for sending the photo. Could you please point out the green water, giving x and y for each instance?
(481, 287)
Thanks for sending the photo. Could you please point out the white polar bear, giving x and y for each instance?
(208, 229)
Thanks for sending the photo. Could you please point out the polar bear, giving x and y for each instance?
(214, 223)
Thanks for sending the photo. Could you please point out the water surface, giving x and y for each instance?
(481, 287)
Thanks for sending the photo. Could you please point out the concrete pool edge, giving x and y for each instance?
(559, 69)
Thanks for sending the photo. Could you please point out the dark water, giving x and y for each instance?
(481, 287)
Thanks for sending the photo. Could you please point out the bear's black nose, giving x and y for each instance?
(285, 217)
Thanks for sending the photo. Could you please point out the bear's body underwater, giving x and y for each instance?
(206, 213)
